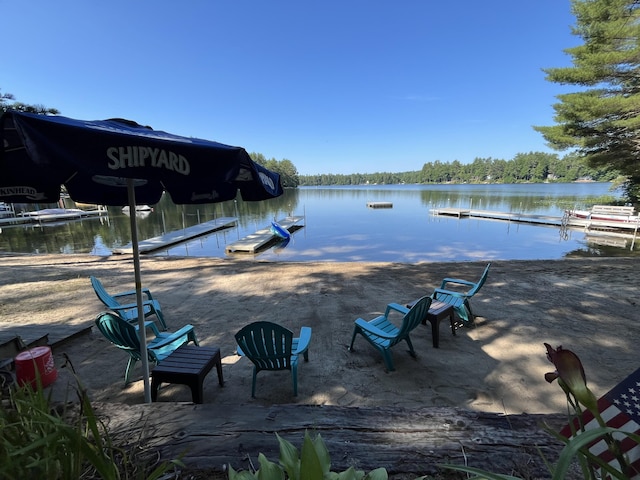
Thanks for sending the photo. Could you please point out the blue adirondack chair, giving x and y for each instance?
(383, 334)
(270, 346)
(128, 311)
(124, 335)
(460, 299)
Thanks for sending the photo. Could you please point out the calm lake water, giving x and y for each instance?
(338, 226)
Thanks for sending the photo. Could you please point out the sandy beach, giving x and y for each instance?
(586, 305)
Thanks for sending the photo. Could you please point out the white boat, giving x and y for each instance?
(605, 217)
(53, 214)
(139, 208)
(142, 211)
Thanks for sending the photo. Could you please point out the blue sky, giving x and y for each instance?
(334, 86)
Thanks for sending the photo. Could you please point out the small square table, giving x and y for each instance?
(188, 365)
(437, 311)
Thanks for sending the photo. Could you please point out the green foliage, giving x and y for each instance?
(313, 462)
(7, 102)
(286, 169)
(532, 167)
(37, 441)
(601, 119)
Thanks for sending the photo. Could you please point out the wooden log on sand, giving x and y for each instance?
(404, 441)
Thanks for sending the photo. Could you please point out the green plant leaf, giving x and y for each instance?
(268, 470)
(289, 458)
(242, 475)
(377, 474)
(578, 445)
(310, 466)
(349, 474)
(233, 475)
(323, 454)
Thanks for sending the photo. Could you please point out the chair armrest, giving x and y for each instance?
(457, 281)
(303, 341)
(152, 325)
(185, 332)
(148, 324)
(448, 292)
(364, 325)
(397, 307)
(145, 291)
(412, 303)
(129, 306)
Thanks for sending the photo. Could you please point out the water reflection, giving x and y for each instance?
(339, 226)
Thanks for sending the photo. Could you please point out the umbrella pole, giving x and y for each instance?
(136, 267)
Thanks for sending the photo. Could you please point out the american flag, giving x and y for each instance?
(619, 408)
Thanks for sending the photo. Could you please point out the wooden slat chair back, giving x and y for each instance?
(128, 311)
(270, 346)
(383, 334)
(125, 336)
(460, 299)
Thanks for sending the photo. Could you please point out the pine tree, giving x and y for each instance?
(602, 120)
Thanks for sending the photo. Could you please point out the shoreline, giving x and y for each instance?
(586, 305)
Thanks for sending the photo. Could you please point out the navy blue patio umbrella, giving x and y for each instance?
(119, 162)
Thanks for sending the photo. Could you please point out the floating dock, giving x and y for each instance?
(379, 205)
(256, 241)
(494, 215)
(178, 236)
(610, 227)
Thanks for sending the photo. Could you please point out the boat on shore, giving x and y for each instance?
(57, 214)
(605, 217)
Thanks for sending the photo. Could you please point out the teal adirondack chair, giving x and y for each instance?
(124, 335)
(383, 334)
(270, 346)
(128, 311)
(460, 299)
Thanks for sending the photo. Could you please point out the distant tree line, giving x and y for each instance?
(533, 167)
(7, 102)
(286, 169)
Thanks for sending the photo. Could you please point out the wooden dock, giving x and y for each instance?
(53, 217)
(262, 238)
(179, 236)
(626, 229)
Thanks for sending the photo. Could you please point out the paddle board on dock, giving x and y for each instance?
(279, 230)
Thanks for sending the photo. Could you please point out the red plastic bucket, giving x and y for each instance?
(36, 359)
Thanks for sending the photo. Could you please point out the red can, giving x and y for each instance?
(36, 359)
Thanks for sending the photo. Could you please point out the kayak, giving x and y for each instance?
(279, 230)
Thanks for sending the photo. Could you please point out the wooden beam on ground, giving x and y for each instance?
(404, 441)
